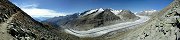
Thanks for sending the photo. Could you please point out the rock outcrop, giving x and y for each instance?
(163, 26)
(127, 15)
(15, 24)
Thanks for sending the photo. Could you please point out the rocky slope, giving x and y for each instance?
(15, 24)
(162, 26)
(127, 15)
(93, 20)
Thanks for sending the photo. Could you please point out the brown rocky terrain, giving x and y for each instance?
(15, 24)
(127, 15)
(163, 25)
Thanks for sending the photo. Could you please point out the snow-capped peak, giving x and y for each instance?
(116, 11)
(100, 9)
(94, 10)
(91, 11)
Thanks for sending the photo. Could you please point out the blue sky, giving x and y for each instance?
(64, 7)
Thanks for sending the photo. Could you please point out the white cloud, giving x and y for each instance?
(30, 6)
(34, 11)
(151, 11)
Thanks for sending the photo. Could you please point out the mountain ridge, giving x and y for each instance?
(91, 15)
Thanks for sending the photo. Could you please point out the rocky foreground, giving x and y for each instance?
(164, 25)
(15, 24)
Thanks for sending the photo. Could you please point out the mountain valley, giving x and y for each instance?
(94, 24)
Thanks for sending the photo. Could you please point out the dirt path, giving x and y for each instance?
(4, 35)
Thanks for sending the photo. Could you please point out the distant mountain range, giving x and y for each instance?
(92, 18)
(41, 18)
(58, 21)
(145, 13)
